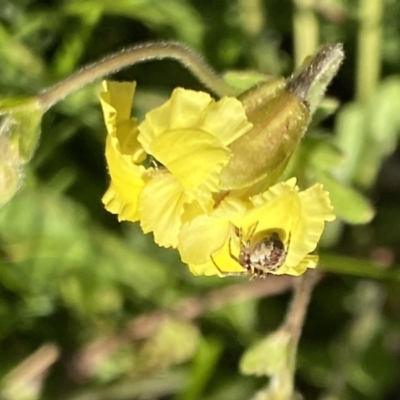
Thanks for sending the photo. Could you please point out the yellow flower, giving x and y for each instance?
(238, 236)
(188, 137)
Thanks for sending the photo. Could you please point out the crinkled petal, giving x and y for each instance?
(183, 110)
(207, 234)
(226, 119)
(310, 261)
(161, 206)
(298, 217)
(307, 230)
(192, 156)
(127, 178)
(223, 259)
(116, 102)
(275, 209)
(206, 269)
(201, 237)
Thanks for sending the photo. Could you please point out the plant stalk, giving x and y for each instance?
(134, 55)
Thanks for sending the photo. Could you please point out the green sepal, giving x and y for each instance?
(280, 119)
(280, 112)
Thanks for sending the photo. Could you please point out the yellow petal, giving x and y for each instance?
(226, 119)
(224, 261)
(192, 156)
(310, 261)
(122, 148)
(275, 210)
(207, 234)
(183, 110)
(307, 230)
(201, 237)
(117, 99)
(187, 109)
(206, 269)
(116, 102)
(161, 206)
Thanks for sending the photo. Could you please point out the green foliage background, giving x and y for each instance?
(84, 299)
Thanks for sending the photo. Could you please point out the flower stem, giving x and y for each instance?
(306, 30)
(295, 316)
(369, 48)
(134, 55)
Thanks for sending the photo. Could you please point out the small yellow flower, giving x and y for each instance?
(235, 237)
(188, 136)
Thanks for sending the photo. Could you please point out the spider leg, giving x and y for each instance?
(253, 229)
(223, 273)
(288, 242)
(230, 252)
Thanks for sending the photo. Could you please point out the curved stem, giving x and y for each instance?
(135, 55)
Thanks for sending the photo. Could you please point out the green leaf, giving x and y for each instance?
(350, 134)
(270, 356)
(204, 367)
(348, 204)
(357, 267)
(19, 136)
(156, 14)
(173, 343)
(382, 126)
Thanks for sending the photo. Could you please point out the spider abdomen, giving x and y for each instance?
(264, 255)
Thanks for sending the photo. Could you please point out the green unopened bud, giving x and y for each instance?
(19, 136)
(280, 112)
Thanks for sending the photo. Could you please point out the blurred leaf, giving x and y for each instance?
(318, 152)
(152, 12)
(356, 266)
(326, 108)
(203, 368)
(349, 205)
(74, 45)
(20, 66)
(19, 137)
(269, 356)
(174, 342)
(51, 250)
(243, 80)
(350, 134)
(383, 121)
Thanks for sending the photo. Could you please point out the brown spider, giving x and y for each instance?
(257, 257)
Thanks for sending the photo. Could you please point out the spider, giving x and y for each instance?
(257, 257)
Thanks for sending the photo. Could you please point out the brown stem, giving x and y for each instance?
(144, 326)
(295, 316)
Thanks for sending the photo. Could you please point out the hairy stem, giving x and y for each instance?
(134, 55)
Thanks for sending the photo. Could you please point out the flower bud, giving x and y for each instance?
(280, 112)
